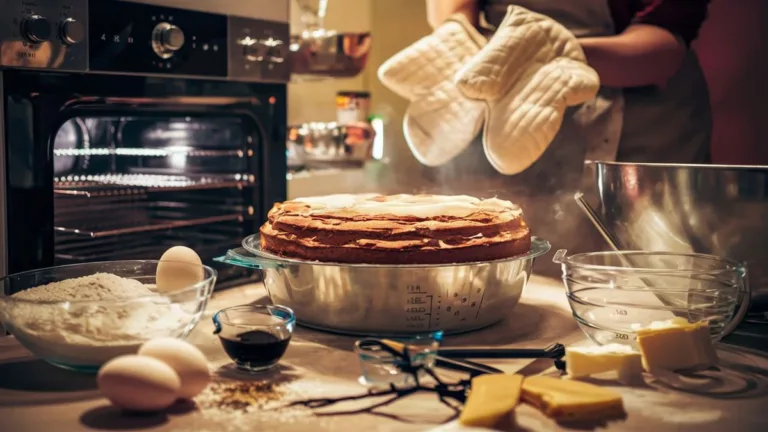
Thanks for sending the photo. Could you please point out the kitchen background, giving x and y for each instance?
(732, 49)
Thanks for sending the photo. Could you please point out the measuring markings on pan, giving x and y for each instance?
(425, 311)
(419, 307)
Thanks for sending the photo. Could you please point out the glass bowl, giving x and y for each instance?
(255, 337)
(87, 323)
(381, 368)
(612, 294)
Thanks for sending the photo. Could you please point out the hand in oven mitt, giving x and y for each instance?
(439, 123)
(530, 71)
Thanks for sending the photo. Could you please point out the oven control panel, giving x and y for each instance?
(44, 34)
(123, 36)
(141, 38)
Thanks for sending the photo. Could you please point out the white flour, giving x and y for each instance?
(91, 333)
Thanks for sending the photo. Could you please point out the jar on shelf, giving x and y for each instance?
(352, 107)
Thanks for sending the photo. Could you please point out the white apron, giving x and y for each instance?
(670, 125)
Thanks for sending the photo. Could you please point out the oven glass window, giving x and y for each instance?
(130, 187)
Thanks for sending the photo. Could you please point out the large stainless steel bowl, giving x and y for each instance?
(384, 300)
(710, 209)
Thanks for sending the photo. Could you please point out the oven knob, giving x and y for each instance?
(71, 31)
(35, 29)
(275, 49)
(167, 39)
(253, 51)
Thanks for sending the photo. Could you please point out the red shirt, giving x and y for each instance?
(682, 18)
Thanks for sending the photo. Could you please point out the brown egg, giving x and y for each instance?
(139, 383)
(189, 363)
(180, 267)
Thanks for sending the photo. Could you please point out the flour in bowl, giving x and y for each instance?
(88, 326)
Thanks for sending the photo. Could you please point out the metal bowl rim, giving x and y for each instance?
(539, 247)
(679, 166)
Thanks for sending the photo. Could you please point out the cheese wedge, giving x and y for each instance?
(675, 344)
(592, 360)
(492, 401)
(567, 400)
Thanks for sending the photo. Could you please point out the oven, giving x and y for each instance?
(128, 127)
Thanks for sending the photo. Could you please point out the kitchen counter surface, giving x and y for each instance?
(37, 397)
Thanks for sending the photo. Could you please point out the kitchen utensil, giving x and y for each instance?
(606, 292)
(595, 219)
(554, 351)
(83, 334)
(255, 337)
(382, 300)
(381, 367)
(711, 209)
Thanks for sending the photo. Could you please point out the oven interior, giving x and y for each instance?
(130, 187)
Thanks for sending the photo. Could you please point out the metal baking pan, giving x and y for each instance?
(392, 300)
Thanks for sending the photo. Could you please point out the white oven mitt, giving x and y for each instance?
(439, 123)
(530, 71)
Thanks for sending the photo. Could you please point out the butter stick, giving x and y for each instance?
(574, 401)
(492, 402)
(675, 344)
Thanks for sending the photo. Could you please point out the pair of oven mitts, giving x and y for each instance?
(514, 87)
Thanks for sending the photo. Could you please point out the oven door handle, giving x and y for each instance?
(242, 258)
(183, 102)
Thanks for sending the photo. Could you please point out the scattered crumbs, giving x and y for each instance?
(239, 395)
(233, 404)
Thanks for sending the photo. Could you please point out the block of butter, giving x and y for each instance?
(592, 360)
(492, 401)
(567, 400)
(676, 344)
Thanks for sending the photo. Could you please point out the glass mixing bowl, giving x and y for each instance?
(83, 325)
(612, 294)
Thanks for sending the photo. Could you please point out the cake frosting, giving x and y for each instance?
(396, 229)
(423, 206)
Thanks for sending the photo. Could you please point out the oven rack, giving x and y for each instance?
(147, 152)
(136, 216)
(208, 241)
(139, 184)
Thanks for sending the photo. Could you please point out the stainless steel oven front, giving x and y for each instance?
(128, 127)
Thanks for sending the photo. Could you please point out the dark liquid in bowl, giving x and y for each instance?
(255, 348)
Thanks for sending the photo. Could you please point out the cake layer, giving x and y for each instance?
(396, 229)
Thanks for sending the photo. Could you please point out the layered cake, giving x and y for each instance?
(396, 229)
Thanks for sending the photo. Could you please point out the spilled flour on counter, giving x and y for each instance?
(90, 333)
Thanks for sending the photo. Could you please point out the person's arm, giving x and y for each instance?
(650, 51)
(440, 10)
(642, 55)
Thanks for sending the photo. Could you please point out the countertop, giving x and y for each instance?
(37, 397)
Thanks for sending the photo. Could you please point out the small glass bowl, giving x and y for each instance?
(95, 331)
(381, 368)
(255, 337)
(612, 294)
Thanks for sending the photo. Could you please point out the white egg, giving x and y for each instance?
(179, 267)
(189, 363)
(139, 383)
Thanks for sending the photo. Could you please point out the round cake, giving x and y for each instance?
(396, 229)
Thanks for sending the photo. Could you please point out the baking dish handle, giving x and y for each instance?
(560, 257)
(242, 258)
